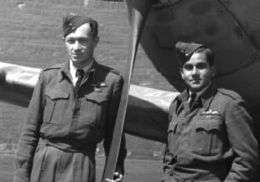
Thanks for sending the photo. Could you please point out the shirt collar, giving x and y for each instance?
(198, 94)
(205, 96)
(86, 68)
(66, 72)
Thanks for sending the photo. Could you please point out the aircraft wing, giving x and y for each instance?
(230, 27)
(147, 113)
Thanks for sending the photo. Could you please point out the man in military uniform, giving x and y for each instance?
(73, 107)
(210, 134)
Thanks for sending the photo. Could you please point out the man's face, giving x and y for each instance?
(197, 73)
(80, 45)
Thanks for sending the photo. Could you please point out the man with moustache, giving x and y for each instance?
(210, 136)
(73, 108)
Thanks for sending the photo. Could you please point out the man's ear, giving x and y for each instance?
(181, 72)
(96, 39)
(214, 71)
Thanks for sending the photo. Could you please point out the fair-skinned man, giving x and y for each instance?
(80, 46)
(73, 108)
(210, 136)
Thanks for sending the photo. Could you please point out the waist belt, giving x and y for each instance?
(69, 145)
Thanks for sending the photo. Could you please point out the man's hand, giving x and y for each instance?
(116, 178)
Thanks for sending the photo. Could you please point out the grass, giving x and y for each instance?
(32, 36)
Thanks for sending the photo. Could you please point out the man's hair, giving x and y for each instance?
(209, 54)
(94, 28)
(184, 51)
(210, 57)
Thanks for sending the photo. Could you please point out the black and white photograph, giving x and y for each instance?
(129, 90)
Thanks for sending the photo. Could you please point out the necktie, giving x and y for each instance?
(80, 75)
(192, 99)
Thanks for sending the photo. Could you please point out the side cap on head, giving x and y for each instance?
(184, 50)
(71, 22)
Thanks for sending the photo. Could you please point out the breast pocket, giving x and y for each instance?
(206, 138)
(94, 108)
(56, 107)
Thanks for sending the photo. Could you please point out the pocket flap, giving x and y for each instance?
(56, 94)
(96, 97)
(208, 125)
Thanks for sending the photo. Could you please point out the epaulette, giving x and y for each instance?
(107, 68)
(230, 93)
(115, 71)
(55, 66)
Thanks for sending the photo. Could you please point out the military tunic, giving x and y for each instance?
(211, 140)
(60, 135)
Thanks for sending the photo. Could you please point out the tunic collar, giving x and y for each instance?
(64, 72)
(73, 70)
(204, 99)
(207, 97)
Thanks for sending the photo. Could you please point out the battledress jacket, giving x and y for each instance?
(211, 140)
(60, 135)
